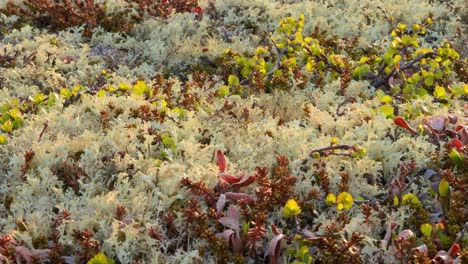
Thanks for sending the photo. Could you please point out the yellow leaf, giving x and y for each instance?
(387, 110)
(439, 92)
(101, 93)
(410, 198)
(331, 199)
(345, 199)
(291, 208)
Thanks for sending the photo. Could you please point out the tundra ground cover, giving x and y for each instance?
(244, 132)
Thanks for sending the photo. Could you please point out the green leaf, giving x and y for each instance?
(401, 26)
(380, 94)
(179, 112)
(386, 99)
(223, 91)
(453, 54)
(363, 59)
(444, 188)
(456, 158)
(426, 230)
(387, 58)
(359, 152)
(38, 98)
(65, 93)
(299, 38)
(439, 92)
(360, 71)
(459, 90)
(52, 99)
(141, 88)
(429, 79)
(246, 71)
(310, 65)
(433, 64)
(14, 113)
(387, 110)
(7, 126)
(421, 92)
(260, 50)
(315, 49)
(124, 87)
(3, 140)
(277, 72)
(410, 198)
(100, 258)
(167, 141)
(245, 228)
(101, 93)
(233, 80)
(321, 65)
(4, 108)
(303, 251)
(406, 40)
(17, 123)
(250, 62)
(414, 78)
(53, 41)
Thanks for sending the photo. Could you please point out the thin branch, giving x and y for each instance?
(166, 59)
(325, 151)
(346, 101)
(281, 53)
(418, 58)
(46, 124)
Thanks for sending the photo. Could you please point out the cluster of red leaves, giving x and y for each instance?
(89, 246)
(164, 8)
(59, 15)
(270, 193)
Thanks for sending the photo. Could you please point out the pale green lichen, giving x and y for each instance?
(307, 116)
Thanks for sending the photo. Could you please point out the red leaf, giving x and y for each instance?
(274, 248)
(221, 160)
(388, 234)
(443, 258)
(436, 124)
(399, 121)
(233, 239)
(310, 236)
(423, 249)
(453, 119)
(275, 230)
(463, 133)
(230, 178)
(226, 234)
(245, 181)
(232, 218)
(220, 203)
(456, 143)
(405, 234)
(454, 249)
(237, 196)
